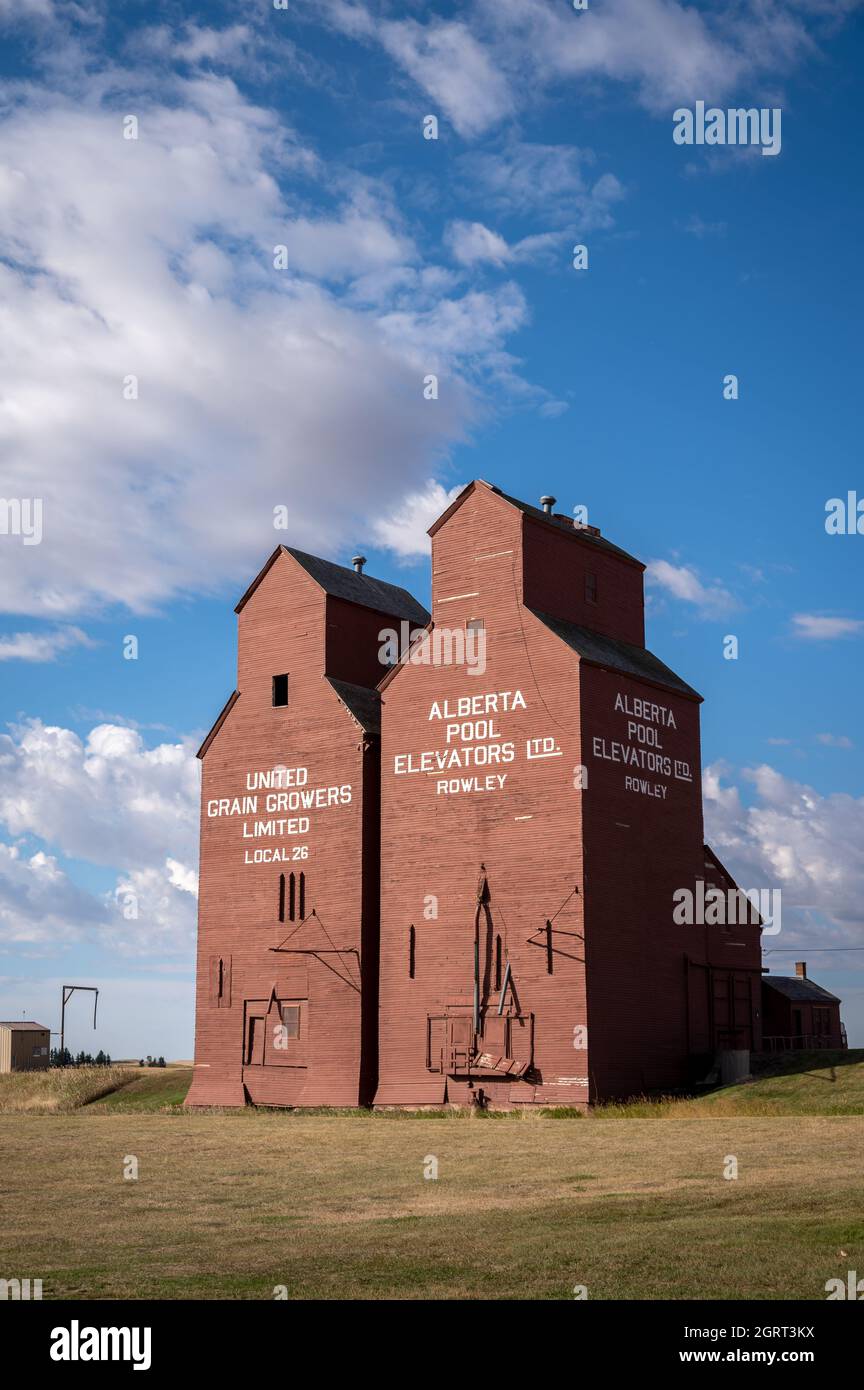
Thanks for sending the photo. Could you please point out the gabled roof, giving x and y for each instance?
(220, 720)
(23, 1026)
(560, 523)
(404, 657)
(615, 655)
(347, 584)
(712, 860)
(363, 703)
(801, 991)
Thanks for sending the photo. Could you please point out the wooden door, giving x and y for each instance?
(255, 1040)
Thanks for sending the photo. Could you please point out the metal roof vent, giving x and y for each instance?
(358, 562)
(547, 503)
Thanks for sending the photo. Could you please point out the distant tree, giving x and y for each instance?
(161, 1062)
(141, 1063)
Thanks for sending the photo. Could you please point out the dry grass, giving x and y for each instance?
(231, 1206)
(58, 1090)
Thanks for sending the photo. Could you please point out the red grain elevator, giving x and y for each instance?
(288, 932)
(540, 808)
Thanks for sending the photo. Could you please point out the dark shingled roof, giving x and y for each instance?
(565, 523)
(364, 704)
(618, 656)
(802, 991)
(361, 588)
(22, 1026)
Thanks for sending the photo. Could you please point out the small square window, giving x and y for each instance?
(475, 625)
(280, 690)
(591, 588)
(291, 1020)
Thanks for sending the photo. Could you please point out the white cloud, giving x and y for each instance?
(793, 838)
(835, 740)
(201, 44)
(471, 243)
(504, 55)
(521, 177)
(106, 799)
(192, 43)
(40, 907)
(814, 628)
(23, 9)
(711, 600)
(479, 323)
(153, 257)
(181, 877)
(456, 71)
(154, 911)
(42, 646)
(404, 529)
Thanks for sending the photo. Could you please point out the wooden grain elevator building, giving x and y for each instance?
(452, 878)
(287, 974)
(537, 820)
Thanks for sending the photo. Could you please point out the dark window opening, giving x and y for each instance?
(280, 690)
(497, 962)
(292, 896)
(412, 950)
(291, 1020)
(220, 982)
(302, 902)
(254, 1046)
(281, 897)
(591, 588)
(548, 948)
(475, 625)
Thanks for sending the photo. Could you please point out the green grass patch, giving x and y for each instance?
(151, 1089)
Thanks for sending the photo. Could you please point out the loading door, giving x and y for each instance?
(505, 1044)
(276, 1032)
(254, 1054)
(733, 1028)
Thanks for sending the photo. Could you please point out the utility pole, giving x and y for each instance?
(68, 991)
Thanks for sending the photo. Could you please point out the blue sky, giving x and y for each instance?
(153, 258)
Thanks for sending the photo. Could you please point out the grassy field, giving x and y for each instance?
(813, 1083)
(150, 1088)
(336, 1206)
(58, 1091)
(804, 1083)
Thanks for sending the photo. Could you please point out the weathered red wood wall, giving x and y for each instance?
(573, 836)
(547, 807)
(327, 965)
(523, 833)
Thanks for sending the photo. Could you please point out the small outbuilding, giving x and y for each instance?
(799, 1015)
(24, 1046)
